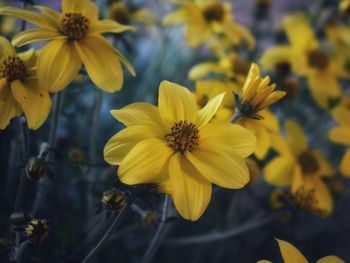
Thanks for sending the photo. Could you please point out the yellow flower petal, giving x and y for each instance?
(330, 259)
(101, 62)
(121, 143)
(281, 145)
(341, 115)
(58, 64)
(8, 105)
(196, 35)
(222, 165)
(108, 25)
(290, 253)
(176, 103)
(263, 142)
(51, 14)
(264, 261)
(35, 102)
(165, 186)
(6, 49)
(86, 7)
(34, 35)
(296, 138)
(30, 58)
(191, 193)
(276, 55)
(139, 166)
(269, 121)
(325, 168)
(340, 135)
(345, 163)
(234, 136)
(208, 111)
(279, 171)
(324, 88)
(204, 69)
(177, 17)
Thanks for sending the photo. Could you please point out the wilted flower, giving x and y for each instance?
(37, 230)
(113, 200)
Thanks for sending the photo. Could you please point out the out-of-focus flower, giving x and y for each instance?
(290, 86)
(19, 87)
(206, 20)
(341, 133)
(151, 218)
(344, 7)
(122, 14)
(175, 145)
(300, 167)
(291, 254)
(76, 156)
(113, 200)
(254, 170)
(37, 230)
(305, 57)
(74, 39)
(208, 89)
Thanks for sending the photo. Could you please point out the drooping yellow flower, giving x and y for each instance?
(206, 20)
(208, 89)
(341, 133)
(175, 145)
(291, 254)
(74, 39)
(122, 14)
(19, 88)
(300, 167)
(305, 57)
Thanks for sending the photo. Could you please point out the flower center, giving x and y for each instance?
(12, 68)
(305, 200)
(308, 162)
(74, 25)
(283, 69)
(317, 59)
(214, 12)
(183, 137)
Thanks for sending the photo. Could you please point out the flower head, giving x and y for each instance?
(176, 146)
(74, 40)
(19, 87)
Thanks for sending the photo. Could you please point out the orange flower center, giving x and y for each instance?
(12, 68)
(317, 59)
(183, 137)
(308, 163)
(214, 12)
(74, 25)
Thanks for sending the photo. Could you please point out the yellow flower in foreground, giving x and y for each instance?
(19, 88)
(74, 39)
(341, 133)
(291, 254)
(207, 19)
(175, 145)
(301, 168)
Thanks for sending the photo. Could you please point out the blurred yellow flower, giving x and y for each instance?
(206, 20)
(300, 167)
(341, 133)
(344, 6)
(19, 87)
(291, 254)
(175, 145)
(74, 39)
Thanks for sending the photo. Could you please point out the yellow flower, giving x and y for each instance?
(208, 89)
(341, 133)
(206, 20)
(300, 167)
(305, 57)
(175, 145)
(74, 39)
(291, 254)
(257, 93)
(344, 7)
(122, 14)
(19, 87)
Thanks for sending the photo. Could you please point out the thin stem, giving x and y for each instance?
(95, 126)
(158, 237)
(219, 236)
(21, 250)
(236, 116)
(116, 222)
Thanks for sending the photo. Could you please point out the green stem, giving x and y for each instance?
(116, 222)
(95, 126)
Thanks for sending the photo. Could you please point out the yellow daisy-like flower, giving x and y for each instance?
(305, 57)
(19, 87)
(207, 19)
(175, 145)
(208, 89)
(291, 254)
(341, 133)
(300, 167)
(74, 39)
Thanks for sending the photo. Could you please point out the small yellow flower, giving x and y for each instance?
(19, 87)
(74, 39)
(300, 167)
(207, 19)
(341, 133)
(175, 145)
(291, 254)
(344, 7)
